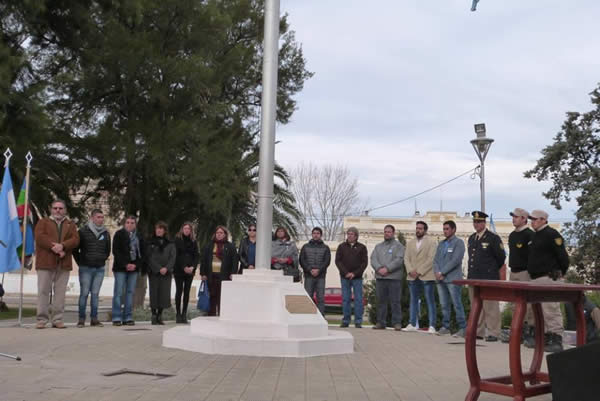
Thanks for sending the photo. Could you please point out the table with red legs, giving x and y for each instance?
(520, 293)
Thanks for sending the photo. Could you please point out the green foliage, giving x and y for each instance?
(155, 103)
(572, 163)
(369, 294)
(401, 238)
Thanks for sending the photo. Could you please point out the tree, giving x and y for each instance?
(155, 103)
(324, 195)
(572, 163)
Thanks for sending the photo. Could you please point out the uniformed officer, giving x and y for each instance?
(486, 257)
(518, 253)
(548, 261)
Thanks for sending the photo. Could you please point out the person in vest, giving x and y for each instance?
(315, 257)
(91, 255)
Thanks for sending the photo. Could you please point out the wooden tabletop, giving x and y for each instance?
(529, 285)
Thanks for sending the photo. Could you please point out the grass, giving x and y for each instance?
(13, 313)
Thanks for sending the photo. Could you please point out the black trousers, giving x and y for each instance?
(182, 287)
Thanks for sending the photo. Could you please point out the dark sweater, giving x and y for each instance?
(547, 253)
(518, 247)
(187, 255)
(351, 259)
(121, 252)
(92, 251)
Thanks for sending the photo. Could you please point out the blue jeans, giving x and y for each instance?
(415, 287)
(316, 285)
(123, 280)
(388, 291)
(90, 280)
(450, 292)
(348, 287)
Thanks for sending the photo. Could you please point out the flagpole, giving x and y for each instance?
(7, 155)
(24, 244)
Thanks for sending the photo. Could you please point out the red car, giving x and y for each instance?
(333, 298)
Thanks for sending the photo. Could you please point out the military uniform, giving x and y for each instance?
(486, 257)
(518, 255)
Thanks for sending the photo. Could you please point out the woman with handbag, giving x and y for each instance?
(218, 262)
(284, 254)
(186, 263)
(161, 254)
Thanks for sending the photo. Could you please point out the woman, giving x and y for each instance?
(219, 262)
(128, 248)
(185, 268)
(160, 260)
(284, 254)
(248, 250)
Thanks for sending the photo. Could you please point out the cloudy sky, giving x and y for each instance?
(399, 84)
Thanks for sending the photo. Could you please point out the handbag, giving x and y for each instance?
(203, 297)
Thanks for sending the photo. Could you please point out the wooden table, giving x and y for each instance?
(520, 293)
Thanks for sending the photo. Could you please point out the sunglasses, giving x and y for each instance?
(252, 229)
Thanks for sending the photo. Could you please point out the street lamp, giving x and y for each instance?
(481, 144)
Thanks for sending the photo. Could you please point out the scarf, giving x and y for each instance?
(219, 249)
(97, 230)
(134, 246)
(161, 242)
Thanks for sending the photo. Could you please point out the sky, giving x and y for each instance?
(399, 84)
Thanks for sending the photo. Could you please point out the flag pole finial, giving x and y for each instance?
(28, 158)
(7, 155)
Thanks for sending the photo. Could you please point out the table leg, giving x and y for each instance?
(538, 353)
(470, 346)
(514, 354)
(580, 321)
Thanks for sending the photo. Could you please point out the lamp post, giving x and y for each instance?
(481, 144)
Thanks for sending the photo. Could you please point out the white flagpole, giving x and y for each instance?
(25, 221)
(7, 155)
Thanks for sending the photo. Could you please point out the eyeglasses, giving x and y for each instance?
(252, 229)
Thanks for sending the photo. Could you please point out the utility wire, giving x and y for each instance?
(427, 190)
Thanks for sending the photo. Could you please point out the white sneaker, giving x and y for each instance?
(431, 330)
(410, 327)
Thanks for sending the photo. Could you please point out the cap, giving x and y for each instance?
(537, 214)
(478, 216)
(520, 212)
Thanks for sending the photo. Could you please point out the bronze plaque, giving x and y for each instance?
(300, 304)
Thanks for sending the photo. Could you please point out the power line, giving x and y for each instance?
(427, 190)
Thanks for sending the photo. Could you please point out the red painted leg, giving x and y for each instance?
(580, 319)
(516, 330)
(470, 346)
(538, 353)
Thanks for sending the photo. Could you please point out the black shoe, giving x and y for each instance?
(379, 326)
(479, 337)
(129, 323)
(96, 322)
(552, 343)
(184, 319)
(81, 323)
(154, 320)
(117, 323)
(159, 319)
(344, 325)
(358, 325)
(178, 319)
(491, 339)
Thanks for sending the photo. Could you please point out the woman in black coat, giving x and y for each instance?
(219, 261)
(160, 259)
(185, 268)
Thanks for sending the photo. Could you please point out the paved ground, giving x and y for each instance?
(68, 364)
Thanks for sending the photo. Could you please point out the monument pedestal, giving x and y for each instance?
(263, 313)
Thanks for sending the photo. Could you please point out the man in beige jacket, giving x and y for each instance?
(418, 260)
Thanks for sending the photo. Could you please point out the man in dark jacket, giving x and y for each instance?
(91, 255)
(486, 257)
(314, 260)
(351, 259)
(128, 250)
(548, 261)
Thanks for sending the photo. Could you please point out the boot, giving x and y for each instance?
(184, 317)
(159, 317)
(154, 317)
(178, 318)
(552, 343)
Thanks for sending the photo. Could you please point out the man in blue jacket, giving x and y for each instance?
(447, 266)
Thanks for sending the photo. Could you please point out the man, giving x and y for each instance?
(314, 260)
(387, 259)
(486, 257)
(351, 259)
(91, 255)
(128, 250)
(418, 261)
(548, 261)
(518, 253)
(447, 267)
(55, 238)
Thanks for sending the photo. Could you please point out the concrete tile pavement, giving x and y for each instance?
(387, 365)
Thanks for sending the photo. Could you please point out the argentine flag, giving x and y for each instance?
(10, 233)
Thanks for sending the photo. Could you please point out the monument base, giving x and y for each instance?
(263, 313)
